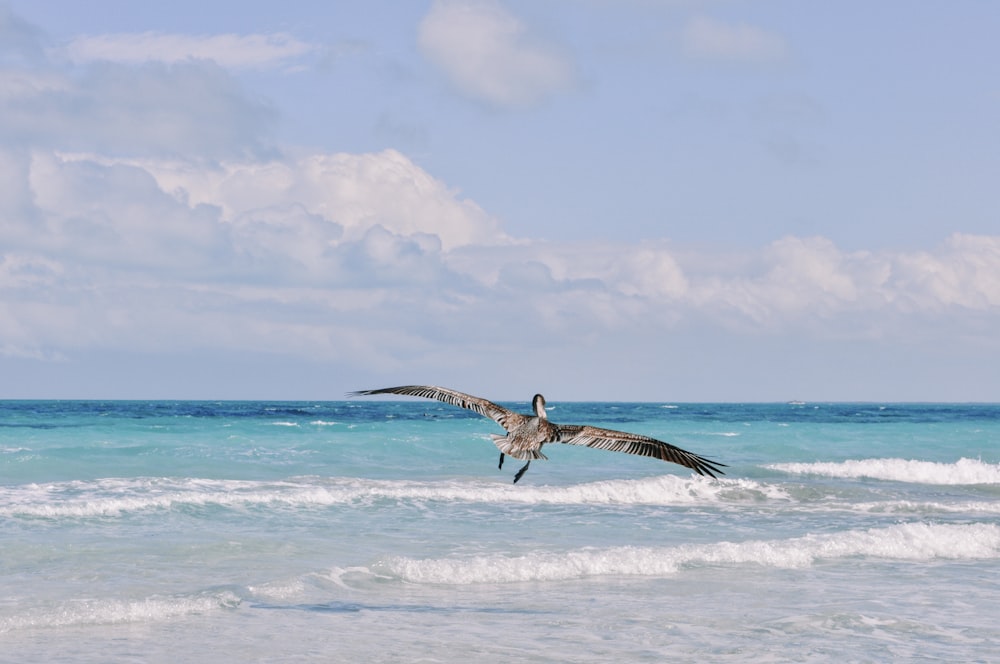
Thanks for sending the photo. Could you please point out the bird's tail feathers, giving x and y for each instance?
(503, 443)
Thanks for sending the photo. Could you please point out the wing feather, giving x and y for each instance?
(631, 443)
(508, 419)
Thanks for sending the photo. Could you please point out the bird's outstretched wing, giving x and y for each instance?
(508, 419)
(631, 443)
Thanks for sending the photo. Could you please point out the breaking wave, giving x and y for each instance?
(911, 541)
(963, 471)
(117, 612)
(116, 497)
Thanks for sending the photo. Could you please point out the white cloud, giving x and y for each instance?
(226, 50)
(355, 191)
(118, 216)
(791, 284)
(142, 210)
(490, 55)
(368, 258)
(704, 38)
(115, 260)
(964, 274)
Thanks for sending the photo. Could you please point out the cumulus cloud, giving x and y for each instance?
(964, 274)
(226, 50)
(705, 38)
(787, 285)
(355, 191)
(490, 55)
(375, 260)
(117, 216)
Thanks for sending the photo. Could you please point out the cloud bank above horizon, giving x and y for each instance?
(148, 209)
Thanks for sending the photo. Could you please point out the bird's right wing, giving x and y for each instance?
(508, 419)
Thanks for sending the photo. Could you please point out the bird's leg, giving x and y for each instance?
(501, 461)
(521, 472)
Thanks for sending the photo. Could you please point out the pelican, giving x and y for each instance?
(527, 434)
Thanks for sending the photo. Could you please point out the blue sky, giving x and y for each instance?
(674, 200)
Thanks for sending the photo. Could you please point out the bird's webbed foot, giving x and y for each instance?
(501, 461)
(521, 472)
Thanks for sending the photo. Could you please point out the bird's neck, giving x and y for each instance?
(540, 409)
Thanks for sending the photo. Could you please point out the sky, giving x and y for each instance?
(633, 200)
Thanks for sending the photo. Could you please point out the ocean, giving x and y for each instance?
(382, 531)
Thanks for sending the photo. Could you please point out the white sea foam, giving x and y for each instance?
(661, 490)
(280, 590)
(911, 541)
(930, 507)
(115, 611)
(963, 471)
(115, 497)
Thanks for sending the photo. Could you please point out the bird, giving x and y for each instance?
(526, 434)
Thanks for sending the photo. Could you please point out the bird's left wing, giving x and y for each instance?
(508, 419)
(631, 443)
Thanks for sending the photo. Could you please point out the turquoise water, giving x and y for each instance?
(383, 531)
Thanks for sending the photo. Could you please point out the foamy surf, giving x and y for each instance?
(963, 471)
(912, 542)
(118, 612)
(118, 497)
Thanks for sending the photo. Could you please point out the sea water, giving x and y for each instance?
(383, 531)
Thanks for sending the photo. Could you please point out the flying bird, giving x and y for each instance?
(526, 434)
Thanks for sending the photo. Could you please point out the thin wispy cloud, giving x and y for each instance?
(705, 38)
(181, 108)
(235, 51)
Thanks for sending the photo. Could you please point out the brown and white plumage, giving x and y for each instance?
(526, 434)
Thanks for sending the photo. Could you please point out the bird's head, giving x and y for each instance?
(538, 404)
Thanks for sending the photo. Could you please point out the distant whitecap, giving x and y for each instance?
(963, 471)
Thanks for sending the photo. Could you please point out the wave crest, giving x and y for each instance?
(116, 497)
(912, 541)
(963, 471)
(117, 612)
